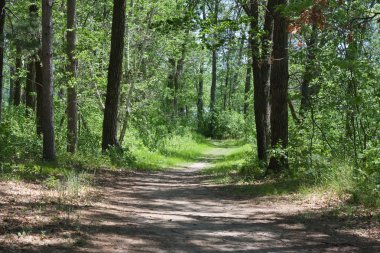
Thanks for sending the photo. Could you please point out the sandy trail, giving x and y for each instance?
(177, 211)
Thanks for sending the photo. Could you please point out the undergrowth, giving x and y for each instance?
(20, 151)
(249, 177)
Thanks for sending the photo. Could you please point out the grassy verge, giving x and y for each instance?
(172, 151)
(226, 168)
(336, 182)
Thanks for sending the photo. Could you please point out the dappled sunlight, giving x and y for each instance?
(181, 210)
(176, 211)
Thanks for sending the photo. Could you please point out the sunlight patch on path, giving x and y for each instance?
(177, 211)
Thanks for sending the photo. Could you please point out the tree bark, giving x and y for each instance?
(171, 103)
(30, 88)
(213, 82)
(17, 81)
(200, 98)
(114, 76)
(12, 73)
(200, 91)
(213, 78)
(39, 99)
(227, 89)
(178, 81)
(309, 73)
(279, 88)
(72, 110)
(2, 21)
(213, 94)
(247, 89)
(261, 72)
(47, 117)
(293, 112)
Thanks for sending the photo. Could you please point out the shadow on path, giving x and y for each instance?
(176, 211)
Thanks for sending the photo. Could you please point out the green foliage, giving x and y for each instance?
(169, 152)
(334, 145)
(120, 157)
(51, 182)
(229, 125)
(17, 141)
(232, 166)
(187, 146)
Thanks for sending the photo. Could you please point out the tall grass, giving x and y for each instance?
(171, 151)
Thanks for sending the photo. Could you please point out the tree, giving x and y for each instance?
(17, 78)
(47, 117)
(39, 100)
(72, 132)
(260, 50)
(200, 88)
(200, 98)
(214, 76)
(2, 21)
(247, 89)
(30, 87)
(279, 87)
(114, 76)
(309, 72)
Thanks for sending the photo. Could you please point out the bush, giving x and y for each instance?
(121, 157)
(16, 139)
(228, 125)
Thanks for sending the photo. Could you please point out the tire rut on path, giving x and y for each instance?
(178, 211)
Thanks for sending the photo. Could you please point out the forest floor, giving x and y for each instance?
(178, 210)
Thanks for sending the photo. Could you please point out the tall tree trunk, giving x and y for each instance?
(39, 99)
(174, 84)
(72, 110)
(227, 89)
(114, 76)
(178, 81)
(17, 81)
(171, 102)
(47, 117)
(213, 81)
(353, 110)
(247, 89)
(213, 77)
(213, 93)
(200, 91)
(261, 72)
(200, 99)
(30, 88)
(279, 88)
(2, 21)
(309, 73)
(12, 73)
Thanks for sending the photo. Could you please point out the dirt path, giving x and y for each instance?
(176, 211)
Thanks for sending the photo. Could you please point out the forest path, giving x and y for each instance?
(179, 211)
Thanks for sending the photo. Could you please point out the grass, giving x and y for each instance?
(171, 152)
(31, 171)
(237, 168)
(336, 181)
(226, 168)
